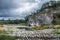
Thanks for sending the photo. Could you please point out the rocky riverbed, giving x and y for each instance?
(22, 34)
(45, 34)
(38, 35)
(25, 33)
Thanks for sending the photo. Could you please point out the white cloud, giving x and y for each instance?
(37, 0)
(26, 7)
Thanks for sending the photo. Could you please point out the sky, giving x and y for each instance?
(19, 8)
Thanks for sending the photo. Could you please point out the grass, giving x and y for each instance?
(41, 27)
(56, 31)
(5, 32)
(46, 27)
(3, 37)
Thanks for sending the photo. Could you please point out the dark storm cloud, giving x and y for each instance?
(7, 4)
(7, 7)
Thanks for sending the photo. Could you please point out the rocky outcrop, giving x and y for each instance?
(45, 15)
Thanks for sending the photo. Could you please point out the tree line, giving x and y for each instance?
(20, 21)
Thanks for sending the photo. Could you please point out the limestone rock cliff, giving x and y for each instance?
(45, 15)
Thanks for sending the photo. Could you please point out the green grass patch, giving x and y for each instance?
(56, 31)
(46, 27)
(5, 32)
(3, 37)
(41, 28)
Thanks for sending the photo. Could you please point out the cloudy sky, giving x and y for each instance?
(19, 8)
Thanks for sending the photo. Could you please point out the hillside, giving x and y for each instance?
(52, 9)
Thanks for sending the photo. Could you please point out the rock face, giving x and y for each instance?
(45, 16)
(40, 18)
